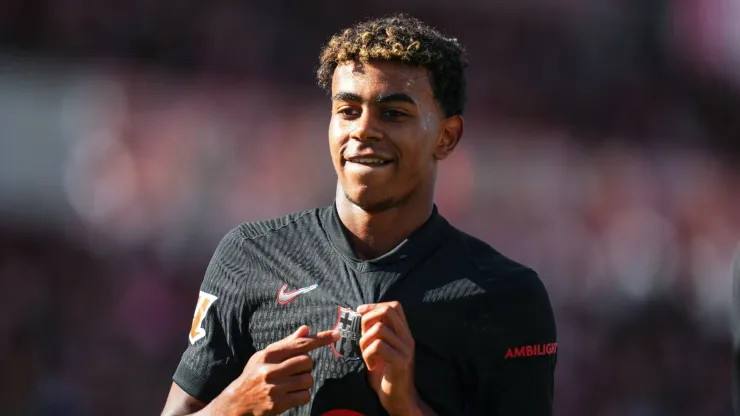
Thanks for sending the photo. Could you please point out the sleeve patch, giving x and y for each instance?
(205, 300)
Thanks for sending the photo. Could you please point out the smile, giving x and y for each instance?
(369, 161)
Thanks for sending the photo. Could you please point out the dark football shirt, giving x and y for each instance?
(483, 324)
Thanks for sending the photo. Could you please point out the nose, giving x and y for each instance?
(366, 128)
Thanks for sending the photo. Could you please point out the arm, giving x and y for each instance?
(212, 378)
(216, 342)
(274, 380)
(514, 354)
(422, 409)
(180, 403)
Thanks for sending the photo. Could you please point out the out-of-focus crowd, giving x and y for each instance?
(634, 245)
(134, 135)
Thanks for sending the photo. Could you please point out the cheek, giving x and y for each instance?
(419, 156)
(414, 167)
(335, 139)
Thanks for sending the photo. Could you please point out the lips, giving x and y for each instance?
(369, 159)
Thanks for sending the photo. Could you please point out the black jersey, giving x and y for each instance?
(483, 324)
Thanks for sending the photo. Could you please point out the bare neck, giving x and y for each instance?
(374, 234)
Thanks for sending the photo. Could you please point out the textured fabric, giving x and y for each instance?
(483, 325)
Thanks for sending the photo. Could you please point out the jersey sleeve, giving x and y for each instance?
(515, 354)
(217, 346)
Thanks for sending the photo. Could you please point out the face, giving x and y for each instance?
(387, 132)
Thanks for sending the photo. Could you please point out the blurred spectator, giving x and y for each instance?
(134, 135)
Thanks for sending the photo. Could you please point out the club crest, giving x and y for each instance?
(349, 325)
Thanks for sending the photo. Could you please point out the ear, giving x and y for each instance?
(451, 134)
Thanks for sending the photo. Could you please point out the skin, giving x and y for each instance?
(388, 110)
(388, 350)
(274, 380)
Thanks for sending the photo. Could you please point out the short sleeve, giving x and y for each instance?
(515, 354)
(217, 345)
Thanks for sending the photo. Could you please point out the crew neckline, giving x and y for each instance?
(421, 242)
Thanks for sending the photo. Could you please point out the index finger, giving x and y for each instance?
(302, 345)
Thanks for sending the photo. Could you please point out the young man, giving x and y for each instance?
(409, 315)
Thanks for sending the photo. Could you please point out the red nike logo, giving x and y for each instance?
(285, 298)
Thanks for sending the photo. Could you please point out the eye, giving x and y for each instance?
(348, 112)
(393, 114)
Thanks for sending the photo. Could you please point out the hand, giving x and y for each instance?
(388, 350)
(275, 379)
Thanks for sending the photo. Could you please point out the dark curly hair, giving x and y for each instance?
(402, 38)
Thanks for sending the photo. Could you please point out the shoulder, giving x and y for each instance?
(495, 267)
(241, 236)
(511, 308)
(243, 248)
(293, 223)
(293, 226)
(508, 281)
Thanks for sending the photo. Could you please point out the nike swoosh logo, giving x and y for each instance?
(284, 297)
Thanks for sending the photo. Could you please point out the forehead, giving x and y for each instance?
(371, 78)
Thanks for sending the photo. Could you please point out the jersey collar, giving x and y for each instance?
(419, 244)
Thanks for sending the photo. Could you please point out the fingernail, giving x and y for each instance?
(361, 308)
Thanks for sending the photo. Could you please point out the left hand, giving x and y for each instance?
(388, 350)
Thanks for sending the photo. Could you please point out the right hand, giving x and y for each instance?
(275, 379)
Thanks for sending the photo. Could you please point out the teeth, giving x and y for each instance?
(367, 160)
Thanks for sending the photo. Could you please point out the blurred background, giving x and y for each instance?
(601, 148)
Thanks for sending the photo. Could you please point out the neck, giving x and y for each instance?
(373, 234)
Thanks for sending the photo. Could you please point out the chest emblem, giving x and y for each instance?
(285, 298)
(349, 325)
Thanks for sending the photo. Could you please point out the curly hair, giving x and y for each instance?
(405, 39)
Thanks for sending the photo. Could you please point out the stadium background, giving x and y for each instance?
(601, 148)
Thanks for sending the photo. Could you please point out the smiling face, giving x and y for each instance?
(387, 133)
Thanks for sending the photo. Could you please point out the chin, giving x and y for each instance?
(371, 203)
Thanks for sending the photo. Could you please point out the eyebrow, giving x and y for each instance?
(381, 99)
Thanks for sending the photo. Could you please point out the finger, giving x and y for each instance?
(302, 331)
(301, 345)
(294, 365)
(383, 332)
(295, 399)
(388, 315)
(383, 309)
(371, 316)
(297, 382)
(399, 310)
(362, 309)
(381, 350)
